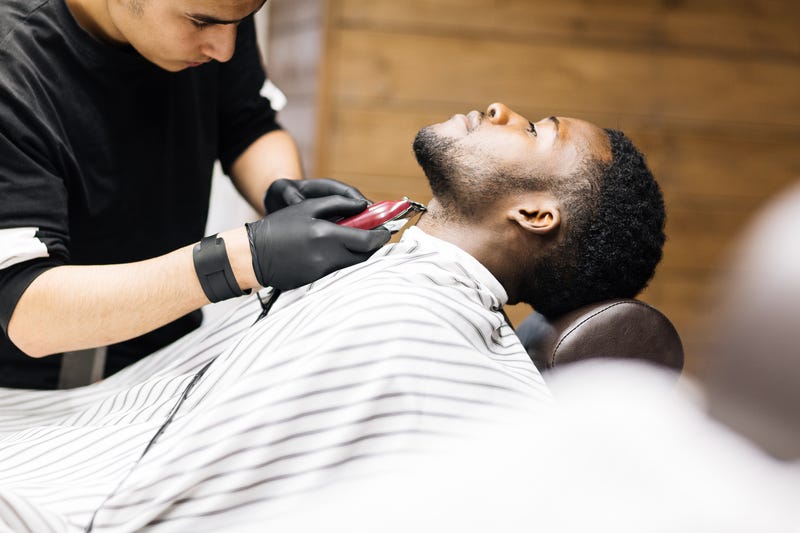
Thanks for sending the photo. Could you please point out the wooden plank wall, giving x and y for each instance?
(295, 50)
(708, 89)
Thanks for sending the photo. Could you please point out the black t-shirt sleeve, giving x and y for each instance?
(14, 280)
(245, 115)
(33, 197)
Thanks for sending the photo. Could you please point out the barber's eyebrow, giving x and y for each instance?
(555, 121)
(208, 19)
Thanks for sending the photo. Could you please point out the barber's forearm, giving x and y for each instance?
(272, 156)
(75, 307)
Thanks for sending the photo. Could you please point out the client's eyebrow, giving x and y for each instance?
(555, 121)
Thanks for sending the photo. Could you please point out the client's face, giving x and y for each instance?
(474, 158)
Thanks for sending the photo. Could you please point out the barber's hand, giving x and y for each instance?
(285, 192)
(297, 245)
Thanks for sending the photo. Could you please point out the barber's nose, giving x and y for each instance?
(221, 42)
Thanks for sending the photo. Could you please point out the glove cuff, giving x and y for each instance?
(214, 270)
(251, 239)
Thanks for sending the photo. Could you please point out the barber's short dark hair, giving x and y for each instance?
(613, 238)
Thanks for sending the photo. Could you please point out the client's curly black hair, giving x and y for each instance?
(613, 239)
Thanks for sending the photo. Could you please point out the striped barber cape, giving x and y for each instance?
(407, 354)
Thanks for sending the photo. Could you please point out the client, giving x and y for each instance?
(407, 353)
(625, 450)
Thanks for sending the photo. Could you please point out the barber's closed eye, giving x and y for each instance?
(198, 24)
(532, 129)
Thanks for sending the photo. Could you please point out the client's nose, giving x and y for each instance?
(498, 113)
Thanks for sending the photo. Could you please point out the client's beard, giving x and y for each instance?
(434, 156)
(461, 185)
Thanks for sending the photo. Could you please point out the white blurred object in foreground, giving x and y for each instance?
(627, 451)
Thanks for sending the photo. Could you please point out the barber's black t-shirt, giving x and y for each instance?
(105, 158)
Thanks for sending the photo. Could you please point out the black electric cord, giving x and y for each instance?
(267, 305)
(155, 437)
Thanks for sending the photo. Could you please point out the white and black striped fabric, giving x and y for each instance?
(407, 353)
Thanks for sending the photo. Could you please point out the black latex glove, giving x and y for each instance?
(297, 245)
(285, 192)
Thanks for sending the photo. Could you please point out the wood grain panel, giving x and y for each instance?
(288, 16)
(438, 70)
(294, 61)
(710, 26)
(701, 230)
(688, 302)
(376, 141)
(379, 187)
(722, 161)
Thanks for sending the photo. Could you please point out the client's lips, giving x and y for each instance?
(473, 120)
(463, 119)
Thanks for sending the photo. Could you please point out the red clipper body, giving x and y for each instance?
(389, 214)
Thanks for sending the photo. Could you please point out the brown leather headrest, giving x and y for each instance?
(624, 328)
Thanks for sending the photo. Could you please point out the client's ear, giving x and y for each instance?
(536, 212)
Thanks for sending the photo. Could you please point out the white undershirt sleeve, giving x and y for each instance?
(20, 244)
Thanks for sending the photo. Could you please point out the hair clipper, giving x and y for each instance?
(392, 215)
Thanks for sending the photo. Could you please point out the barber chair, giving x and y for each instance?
(620, 329)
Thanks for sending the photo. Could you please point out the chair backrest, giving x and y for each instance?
(623, 328)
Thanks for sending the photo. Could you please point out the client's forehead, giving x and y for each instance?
(585, 136)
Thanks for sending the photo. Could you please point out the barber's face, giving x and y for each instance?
(179, 34)
(470, 154)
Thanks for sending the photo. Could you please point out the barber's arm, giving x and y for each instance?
(272, 163)
(75, 307)
(69, 308)
(272, 156)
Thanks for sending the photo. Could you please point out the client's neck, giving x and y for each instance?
(439, 223)
(482, 241)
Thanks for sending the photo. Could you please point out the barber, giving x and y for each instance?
(112, 113)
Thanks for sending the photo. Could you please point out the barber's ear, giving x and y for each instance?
(540, 214)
